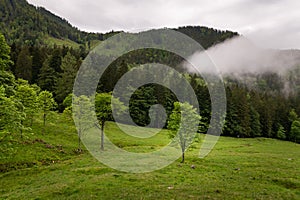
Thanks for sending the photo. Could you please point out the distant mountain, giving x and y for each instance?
(205, 36)
(23, 23)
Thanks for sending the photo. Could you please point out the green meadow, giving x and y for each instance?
(48, 166)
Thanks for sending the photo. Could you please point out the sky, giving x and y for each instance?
(268, 23)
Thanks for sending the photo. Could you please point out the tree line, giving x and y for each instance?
(50, 72)
(20, 102)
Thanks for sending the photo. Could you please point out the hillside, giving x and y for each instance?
(23, 23)
(205, 36)
(46, 166)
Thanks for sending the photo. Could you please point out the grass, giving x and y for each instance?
(94, 43)
(236, 169)
(51, 41)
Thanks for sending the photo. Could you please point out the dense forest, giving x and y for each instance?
(36, 75)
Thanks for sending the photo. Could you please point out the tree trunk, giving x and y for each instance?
(21, 130)
(182, 161)
(102, 135)
(44, 129)
(79, 142)
(44, 119)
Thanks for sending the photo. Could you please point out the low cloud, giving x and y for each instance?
(239, 56)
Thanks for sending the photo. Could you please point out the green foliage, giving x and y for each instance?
(39, 55)
(23, 68)
(11, 115)
(83, 115)
(11, 109)
(205, 36)
(255, 123)
(55, 60)
(46, 104)
(184, 133)
(140, 103)
(281, 133)
(293, 115)
(68, 101)
(27, 95)
(238, 119)
(103, 107)
(5, 61)
(52, 42)
(65, 82)
(23, 23)
(251, 113)
(47, 77)
(7, 80)
(295, 131)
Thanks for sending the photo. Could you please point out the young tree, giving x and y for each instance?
(83, 114)
(293, 116)
(295, 131)
(10, 115)
(7, 80)
(281, 133)
(46, 103)
(183, 112)
(27, 95)
(103, 103)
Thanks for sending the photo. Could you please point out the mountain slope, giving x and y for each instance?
(205, 36)
(24, 23)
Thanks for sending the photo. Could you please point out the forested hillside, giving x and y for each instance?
(261, 111)
(22, 23)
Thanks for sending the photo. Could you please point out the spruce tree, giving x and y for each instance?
(47, 77)
(24, 65)
(65, 82)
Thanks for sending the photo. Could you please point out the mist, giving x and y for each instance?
(239, 56)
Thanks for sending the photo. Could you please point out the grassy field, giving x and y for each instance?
(51, 41)
(47, 166)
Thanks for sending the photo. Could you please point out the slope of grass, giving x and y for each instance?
(235, 169)
(51, 41)
(94, 43)
(38, 146)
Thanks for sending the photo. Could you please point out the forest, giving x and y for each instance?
(33, 69)
(263, 111)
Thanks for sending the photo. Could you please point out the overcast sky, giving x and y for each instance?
(269, 23)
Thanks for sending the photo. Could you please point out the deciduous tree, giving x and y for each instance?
(183, 112)
(103, 106)
(46, 103)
